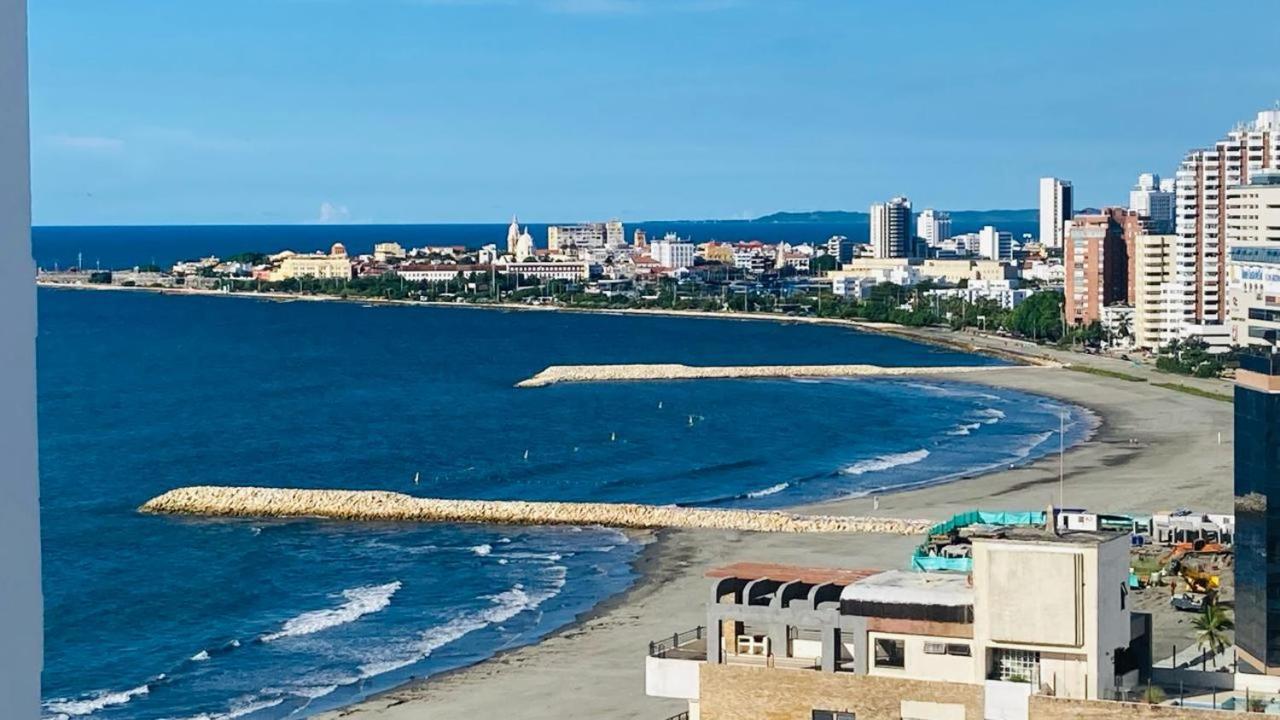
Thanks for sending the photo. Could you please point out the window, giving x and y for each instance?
(832, 715)
(1124, 593)
(959, 649)
(890, 653)
(1016, 665)
(935, 648)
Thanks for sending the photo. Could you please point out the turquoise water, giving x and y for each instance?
(158, 617)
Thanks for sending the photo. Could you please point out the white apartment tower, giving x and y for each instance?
(673, 252)
(891, 228)
(933, 227)
(1200, 211)
(1153, 198)
(994, 244)
(1055, 210)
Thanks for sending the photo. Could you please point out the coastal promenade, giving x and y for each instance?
(674, 371)
(383, 506)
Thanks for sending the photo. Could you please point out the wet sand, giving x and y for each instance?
(595, 668)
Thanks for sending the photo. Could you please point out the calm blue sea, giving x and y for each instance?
(160, 617)
(119, 247)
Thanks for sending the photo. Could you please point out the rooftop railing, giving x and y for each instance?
(660, 648)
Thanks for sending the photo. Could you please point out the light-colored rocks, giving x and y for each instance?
(674, 371)
(377, 505)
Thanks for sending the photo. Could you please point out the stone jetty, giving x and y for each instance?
(674, 371)
(378, 505)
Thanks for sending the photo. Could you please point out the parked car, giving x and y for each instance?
(1190, 602)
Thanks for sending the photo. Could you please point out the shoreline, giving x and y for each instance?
(602, 650)
(935, 336)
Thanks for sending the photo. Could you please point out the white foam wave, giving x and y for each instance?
(504, 606)
(1033, 442)
(990, 416)
(964, 428)
(482, 550)
(886, 462)
(240, 709)
(93, 702)
(771, 490)
(200, 656)
(360, 601)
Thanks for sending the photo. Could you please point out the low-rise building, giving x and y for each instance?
(798, 642)
(548, 270)
(333, 266)
(388, 252)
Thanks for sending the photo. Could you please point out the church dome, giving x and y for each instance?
(338, 250)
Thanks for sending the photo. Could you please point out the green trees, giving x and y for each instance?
(1039, 317)
(1211, 626)
(1190, 357)
(822, 264)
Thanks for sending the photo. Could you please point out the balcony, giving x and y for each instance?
(672, 668)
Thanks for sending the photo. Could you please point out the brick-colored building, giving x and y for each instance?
(1097, 258)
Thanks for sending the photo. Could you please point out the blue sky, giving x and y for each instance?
(291, 111)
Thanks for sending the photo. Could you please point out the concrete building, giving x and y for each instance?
(1055, 209)
(1253, 263)
(1003, 292)
(547, 270)
(388, 252)
(933, 226)
(21, 622)
(333, 266)
(794, 642)
(1203, 180)
(1153, 198)
(1156, 296)
(994, 244)
(1097, 266)
(672, 252)
(417, 272)
(891, 229)
(840, 247)
(562, 238)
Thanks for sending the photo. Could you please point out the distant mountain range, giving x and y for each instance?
(968, 218)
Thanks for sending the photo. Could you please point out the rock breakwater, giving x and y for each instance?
(674, 371)
(378, 505)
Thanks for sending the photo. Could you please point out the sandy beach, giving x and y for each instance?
(1154, 449)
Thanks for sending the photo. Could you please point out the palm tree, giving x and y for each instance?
(1211, 628)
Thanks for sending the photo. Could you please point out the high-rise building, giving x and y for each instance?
(1097, 265)
(640, 239)
(1153, 198)
(1200, 209)
(1055, 209)
(1253, 260)
(933, 226)
(1155, 291)
(840, 247)
(1257, 488)
(891, 229)
(615, 236)
(995, 244)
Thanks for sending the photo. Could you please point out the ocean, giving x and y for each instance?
(159, 617)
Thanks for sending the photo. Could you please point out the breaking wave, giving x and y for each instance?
(771, 490)
(885, 462)
(65, 708)
(361, 601)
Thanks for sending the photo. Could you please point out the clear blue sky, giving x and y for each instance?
(249, 111)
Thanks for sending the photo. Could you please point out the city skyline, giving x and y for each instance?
(467, 111)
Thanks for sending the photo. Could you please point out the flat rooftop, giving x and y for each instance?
(791, 573)
(901, 587)
(1038, 534)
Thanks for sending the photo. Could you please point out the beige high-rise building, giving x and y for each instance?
(1253, 249)
(1154, 291)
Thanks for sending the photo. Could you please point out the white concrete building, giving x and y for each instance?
(673, 252)
(1153, 198)
(609, 234)
(548, 270)
(891, 228)
(1253, 247)
(1055, 209)
(994, 244)
(1203, 179)
(933, 226)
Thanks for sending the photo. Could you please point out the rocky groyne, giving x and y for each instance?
(378, 505)
(674, 371)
